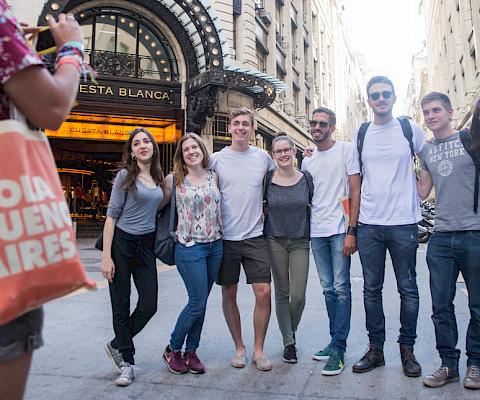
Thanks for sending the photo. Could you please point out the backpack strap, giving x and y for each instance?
(267, 179)
(408, 133)
(466, 140)
(309, 179)
(360, 139)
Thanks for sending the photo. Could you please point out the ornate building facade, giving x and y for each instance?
(452, 61)
(180, 65)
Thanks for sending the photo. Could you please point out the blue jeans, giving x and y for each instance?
(334, 272)
(447, 254)
(198, 266)
(401, 241)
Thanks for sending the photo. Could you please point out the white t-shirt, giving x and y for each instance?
(389, 192)
(328, 169)
(240, 175)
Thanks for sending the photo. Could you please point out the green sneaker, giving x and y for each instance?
(323, 354)
(334, 365)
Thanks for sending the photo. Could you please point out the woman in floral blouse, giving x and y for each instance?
(198, 251)
(21, 75)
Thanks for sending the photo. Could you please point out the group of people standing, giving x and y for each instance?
(239, 207)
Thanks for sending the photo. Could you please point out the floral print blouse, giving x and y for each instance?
(198, 209)
(15, 54)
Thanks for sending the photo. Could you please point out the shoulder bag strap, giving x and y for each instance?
(466, 140)
(360, 139)
(173, 207)
(408, 133)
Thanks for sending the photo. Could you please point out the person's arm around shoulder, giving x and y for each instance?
(167, 191)
(53, 94)
(424, 184)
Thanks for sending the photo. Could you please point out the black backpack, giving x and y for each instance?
(407, 132)
(466, 140)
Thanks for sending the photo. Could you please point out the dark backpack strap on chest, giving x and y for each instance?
(408, 133)
(360, 139)
(466, 140)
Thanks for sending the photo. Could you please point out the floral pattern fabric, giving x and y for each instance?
(15, 54)
(198, 209)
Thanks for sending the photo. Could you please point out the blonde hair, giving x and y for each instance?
(179, 166)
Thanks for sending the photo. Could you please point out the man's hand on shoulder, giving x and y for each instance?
(308, 152)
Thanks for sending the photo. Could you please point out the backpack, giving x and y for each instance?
(406, 129)
(466, 140)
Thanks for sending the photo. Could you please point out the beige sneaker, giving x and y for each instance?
(238, 361)
(262, 363)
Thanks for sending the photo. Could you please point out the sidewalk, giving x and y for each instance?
(73, 365)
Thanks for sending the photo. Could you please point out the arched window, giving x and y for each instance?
(120, 42)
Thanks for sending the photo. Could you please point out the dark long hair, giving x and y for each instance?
(179, 166)
(131, 165)
(475, 127)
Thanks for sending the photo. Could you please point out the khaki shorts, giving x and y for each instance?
(252, 254)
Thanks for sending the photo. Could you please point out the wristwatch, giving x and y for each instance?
(352, 230)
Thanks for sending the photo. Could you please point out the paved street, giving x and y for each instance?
(73, 365)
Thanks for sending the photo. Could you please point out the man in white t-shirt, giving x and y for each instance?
(335, 173)
(389, 212)
(241, 169)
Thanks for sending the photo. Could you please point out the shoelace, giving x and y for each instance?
(441, 371)
(473, 371)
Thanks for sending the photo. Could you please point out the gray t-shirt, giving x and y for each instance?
(138, 212)
(240, 175)
(287, 211)
(453, 175)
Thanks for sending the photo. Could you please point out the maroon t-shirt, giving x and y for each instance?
(15, 54)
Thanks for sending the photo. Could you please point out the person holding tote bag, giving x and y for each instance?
(128, 243)
(198, 249)
(287, 196)
(22, 74)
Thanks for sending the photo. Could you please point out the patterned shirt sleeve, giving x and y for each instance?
(15, 54)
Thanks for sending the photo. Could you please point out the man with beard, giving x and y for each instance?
(389, 212)
(335, 173)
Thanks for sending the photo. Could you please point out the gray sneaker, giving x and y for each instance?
(127, 375)
(115, 356)
(441, 377)
(472, 379)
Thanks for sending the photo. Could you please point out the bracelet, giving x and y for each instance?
(73, 44)
(352, 230)
(69, 60)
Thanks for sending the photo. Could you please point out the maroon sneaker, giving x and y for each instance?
(193, 363)
(174, 361)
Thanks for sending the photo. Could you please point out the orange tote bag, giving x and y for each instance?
(39, 260)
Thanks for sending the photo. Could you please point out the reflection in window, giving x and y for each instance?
(122, 43)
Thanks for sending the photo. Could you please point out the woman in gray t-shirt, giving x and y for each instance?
(288, 193)
(128, 247)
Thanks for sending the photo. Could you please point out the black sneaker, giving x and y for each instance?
(441, 377)
(410, 365)
(290, 354)
(373, 358)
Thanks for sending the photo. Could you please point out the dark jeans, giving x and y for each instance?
(447, 254)
(401, 241)
(133, 256)
(198, 266)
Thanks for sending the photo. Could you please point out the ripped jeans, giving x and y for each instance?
(401, 242)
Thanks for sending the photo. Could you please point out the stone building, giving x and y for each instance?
(452, 61)
(180, 65)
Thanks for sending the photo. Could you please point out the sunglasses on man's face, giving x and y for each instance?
(321, 124)
(386, 94)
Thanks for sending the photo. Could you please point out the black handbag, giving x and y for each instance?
(165, 238)
(99, 241)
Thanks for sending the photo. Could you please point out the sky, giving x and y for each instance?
(388, 33)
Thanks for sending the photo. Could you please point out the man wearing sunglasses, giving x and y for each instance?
(455, 245)
(389, 212)
(335, 173)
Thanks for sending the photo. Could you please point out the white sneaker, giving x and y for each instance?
(127, 375)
